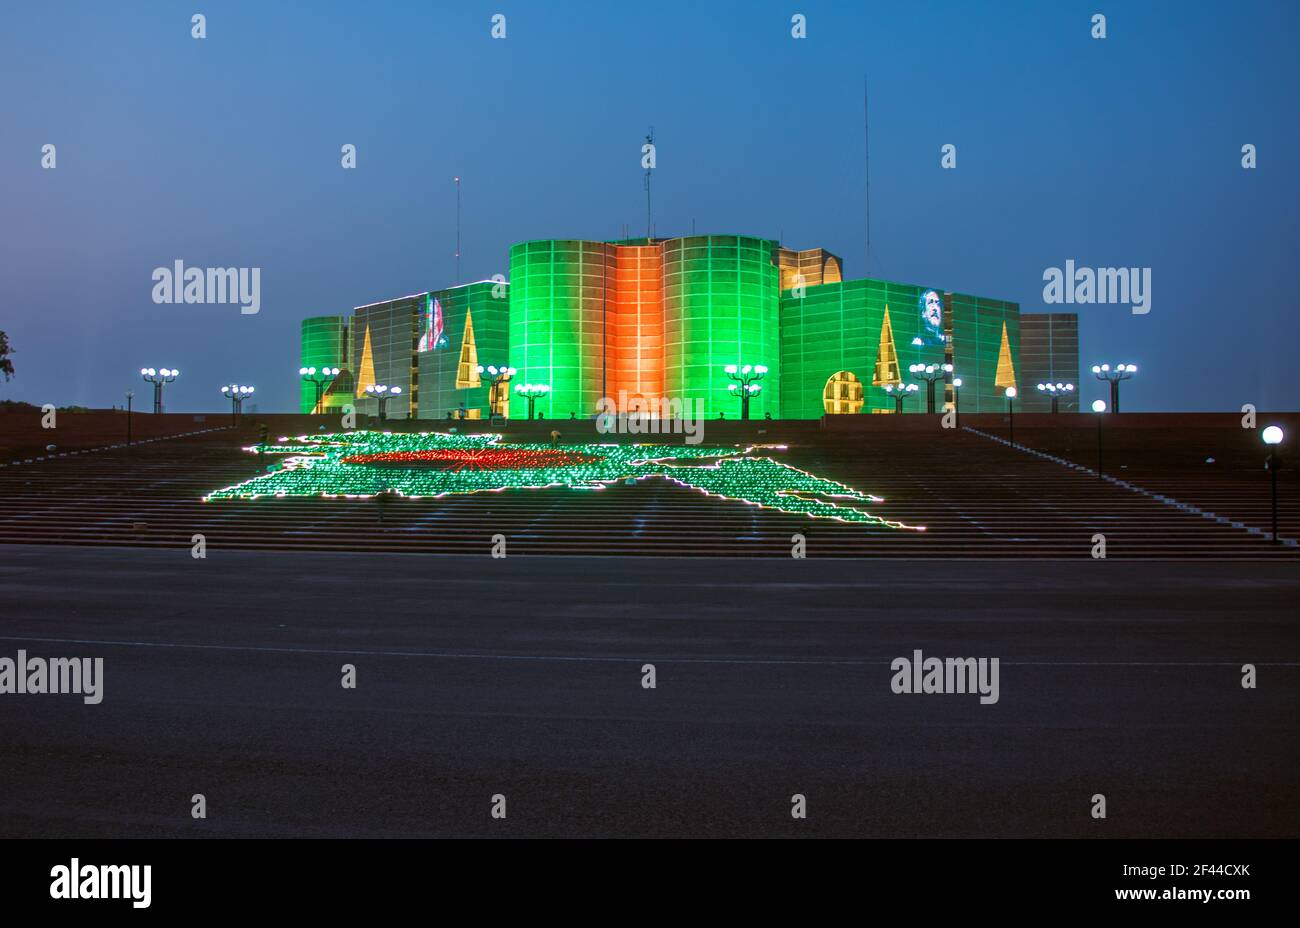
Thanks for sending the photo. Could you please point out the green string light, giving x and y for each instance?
(420, 465)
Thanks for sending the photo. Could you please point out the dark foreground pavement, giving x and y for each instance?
(522, 677)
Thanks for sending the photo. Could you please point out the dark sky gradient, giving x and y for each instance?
(226, 152)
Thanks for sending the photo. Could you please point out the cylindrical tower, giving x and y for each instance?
(324, 344)
(634, 347)
(721, 306)
(559, 304)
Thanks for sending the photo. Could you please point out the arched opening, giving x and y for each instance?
(842, 394)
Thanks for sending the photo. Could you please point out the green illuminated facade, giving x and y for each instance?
(839, 328)
(475, 324)
(559, 308)
(721, 306)
(324, 344)
(429, 346)
(382, 342)
(977, 326)
(617, 325)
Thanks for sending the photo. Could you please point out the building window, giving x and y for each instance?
(842, 394)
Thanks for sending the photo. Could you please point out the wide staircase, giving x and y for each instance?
(1171, 488)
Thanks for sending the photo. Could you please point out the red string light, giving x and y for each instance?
(478, 458)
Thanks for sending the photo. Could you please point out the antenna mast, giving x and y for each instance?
(649, 225)
(866, 164)
(457, 179)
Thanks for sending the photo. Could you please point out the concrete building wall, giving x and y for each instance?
(1049, 349)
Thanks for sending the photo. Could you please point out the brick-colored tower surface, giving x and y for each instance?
(634, 340)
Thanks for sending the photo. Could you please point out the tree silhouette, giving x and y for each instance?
(6, 365)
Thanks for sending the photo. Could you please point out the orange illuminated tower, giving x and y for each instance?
(634, 326)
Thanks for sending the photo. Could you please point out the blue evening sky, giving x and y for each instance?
(225, 151)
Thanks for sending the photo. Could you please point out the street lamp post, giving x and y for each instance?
(931, 374)
(158, 377)
(130, 394)
(1099, 407)
(1113, 375)
(531, 391)
(956, 400)
(745, 383)
(383, 392)
(500, 376)
(318, 380)
(1056, 391)
(1273, 437)
(903, 392)
(237, 395)
(1011, 413)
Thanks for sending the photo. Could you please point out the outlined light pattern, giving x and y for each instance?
(435, 464)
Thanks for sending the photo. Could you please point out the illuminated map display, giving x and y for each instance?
(435, 464)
